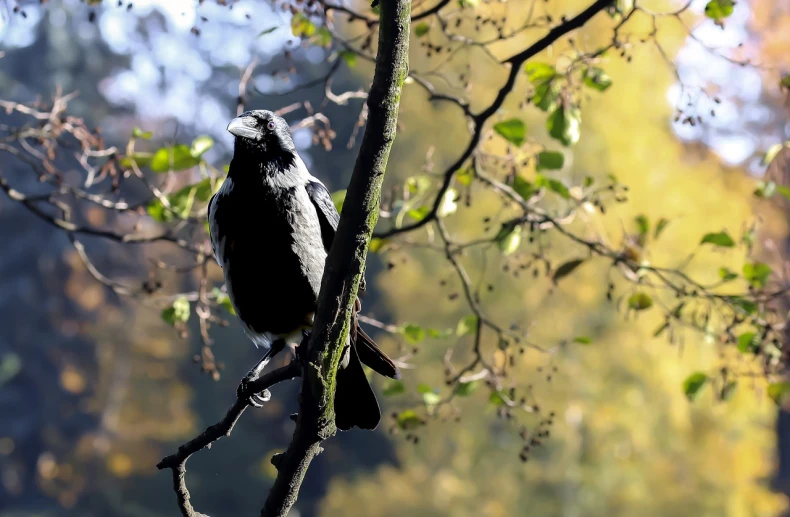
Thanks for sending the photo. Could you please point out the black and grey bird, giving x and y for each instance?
(272, 225)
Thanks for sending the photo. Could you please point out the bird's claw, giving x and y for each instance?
(244, 391)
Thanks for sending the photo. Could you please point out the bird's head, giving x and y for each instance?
(261, 131)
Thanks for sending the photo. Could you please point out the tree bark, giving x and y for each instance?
(346, 262)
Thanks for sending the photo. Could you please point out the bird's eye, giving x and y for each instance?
(270, 125)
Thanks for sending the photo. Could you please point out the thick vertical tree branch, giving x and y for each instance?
(346, 261)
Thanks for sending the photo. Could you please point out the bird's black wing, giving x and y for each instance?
(327, 215)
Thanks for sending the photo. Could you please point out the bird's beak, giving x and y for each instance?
(244, 127)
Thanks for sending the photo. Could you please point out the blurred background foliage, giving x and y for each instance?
(95, 388)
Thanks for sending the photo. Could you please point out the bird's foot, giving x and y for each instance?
(244, 392)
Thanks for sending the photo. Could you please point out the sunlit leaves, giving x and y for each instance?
(264, 32)
(409, 420)
(301, 26)
(178, 312)
(421, 29)
(596, 79)
(465, 389)
(224, 300)
(413, 333)
(779, 391)
(694, 384)
(418, 214)
(564, 125)
(496, 399)
(554, 185)
(748, 343)
(550, 160)
(180, 202)
(376, 244)
(180, 157)
(726, 275)
(539, 73)
(139, 133)
(660, 226)
(766, 189)
(524, 188)
(466, 325)
(200, 145)
(508, 239)
(429, 395)
(566, 269)
(546, 96)
(642, 224)
(338, 197)
(513, 130)
(393, 388)
(464, 177)
(744, 305)
(141, 159)
(718, 10)
(640, 301)
(582, 340)
(757, 274)
(349, 57)
(322, 38)
(721, 239)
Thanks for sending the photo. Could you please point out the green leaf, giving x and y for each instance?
(139, 133)
(693, 384)
(465, 389)
(418, 214)
(180, 156)
(757, 274)
(408, 420)
(513, 130)
(431, 398)
(596, 79)
(393, 388)
(464, 177)
(779, 391)
(765, 189)
(727, 390)
(546, 96)
(421, 29)
(413, 333)
(550, 160)
(564, 124)
(264, 32)
(418, 184)
(376, 244)
(721, 239)
(642, 224)
(524, 188)
(301, 26)
(719, 9)
(582, 340)
(566, 269)
(662, 223)
(553, 185)
(540, 73)
(200, 145)
(338, 197)
(747, 306)
(496, 399)
(224, 300)
(178, 312)
(785, 82)
(466, 325)
(508, 239)
(440, 334)
(322, 38)
(748, 343)
(141, 159)
(349, 57)
(640, 302)
(726, 275)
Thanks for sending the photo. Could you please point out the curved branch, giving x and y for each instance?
(177, 462)
(479, 120)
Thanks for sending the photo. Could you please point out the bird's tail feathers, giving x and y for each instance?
(371, 355)
(355, 402)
